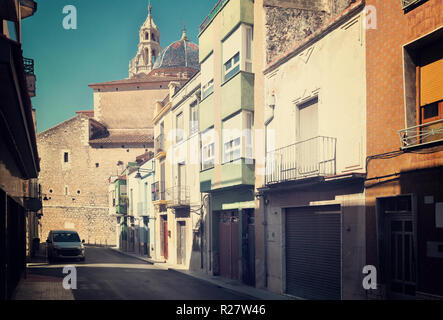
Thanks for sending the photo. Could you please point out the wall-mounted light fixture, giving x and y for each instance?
(272, 101)
(139, 176)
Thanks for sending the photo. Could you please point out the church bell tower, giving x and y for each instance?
(148, 48)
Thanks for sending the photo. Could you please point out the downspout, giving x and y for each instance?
(263, 198)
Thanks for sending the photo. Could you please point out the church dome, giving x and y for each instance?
(182, 53)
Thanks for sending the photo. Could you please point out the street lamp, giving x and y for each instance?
(139, 176)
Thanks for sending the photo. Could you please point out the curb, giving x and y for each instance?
(217, 284)
(127, 254)
(246, 291)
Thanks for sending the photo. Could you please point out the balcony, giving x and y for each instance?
(158, 192)
(212, 14)
(311, 158)
(407, 4)
(178, 196)
(30, 76)
(159, 144)
(422, 135)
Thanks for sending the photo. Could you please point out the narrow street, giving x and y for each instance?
(109, 275)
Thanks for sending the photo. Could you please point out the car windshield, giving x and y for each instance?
(66, 237)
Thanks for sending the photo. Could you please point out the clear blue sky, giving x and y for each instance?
(106, 39)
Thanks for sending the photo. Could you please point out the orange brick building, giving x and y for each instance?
(404, 187)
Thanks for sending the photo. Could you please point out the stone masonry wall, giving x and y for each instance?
(84, 204)
(289, 22)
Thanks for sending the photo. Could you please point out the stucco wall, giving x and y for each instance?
(334, 70)
(115, 109)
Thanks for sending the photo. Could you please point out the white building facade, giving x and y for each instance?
(313, 195)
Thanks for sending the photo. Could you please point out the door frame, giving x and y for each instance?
(381, 240)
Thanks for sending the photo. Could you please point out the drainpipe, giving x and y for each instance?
(265, 242)
(209, 213)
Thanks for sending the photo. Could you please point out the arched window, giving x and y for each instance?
(146, 36)
(153, 37)
(153, 56)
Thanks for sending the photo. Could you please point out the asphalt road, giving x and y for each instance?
(109, 275)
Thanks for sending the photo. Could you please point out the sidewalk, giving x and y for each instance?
(39, 287)
(230, 284)
(235, 285)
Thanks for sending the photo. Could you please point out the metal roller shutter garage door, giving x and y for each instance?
(313, 252)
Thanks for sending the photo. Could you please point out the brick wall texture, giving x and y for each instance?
(386, 100)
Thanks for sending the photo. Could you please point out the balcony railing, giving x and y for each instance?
(422, 135)
(159, 144)
(310, 158)
(29, 65)
(408, 3)
(212, 14)
(30, 76)
(158, 191)
(178, 196)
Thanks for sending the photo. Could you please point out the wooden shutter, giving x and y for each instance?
(431, 83)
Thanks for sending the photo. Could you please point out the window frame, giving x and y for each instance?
(207, 84)
(234, 67)
(207, 151)
(193, 118)
(179, 132)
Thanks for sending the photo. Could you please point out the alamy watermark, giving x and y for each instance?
(370, 281)
(70, 281)
(70, 20)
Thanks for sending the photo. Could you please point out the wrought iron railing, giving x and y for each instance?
(310, 158)
(159, 143)
(408, 3)
(212, 14)
(178, 196)
(422, 135)
(29, 65)
(158, 191)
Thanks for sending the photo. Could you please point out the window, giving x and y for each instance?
(307, 114)
(207, 76)
(430, 74)
(66, 191)
(232, 66)
(66, 157)
(248, 48)
(208, 149)
(194, 118)
(232, 150)
(232, 138)
(237, 137)
(237, 52)
(179, 127)
(423, 74)
(248, 135)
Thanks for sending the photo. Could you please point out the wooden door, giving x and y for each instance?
(229, 244)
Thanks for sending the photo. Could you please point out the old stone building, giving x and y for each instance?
(79, 155)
